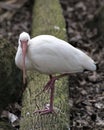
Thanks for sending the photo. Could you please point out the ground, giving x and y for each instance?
(86, 90)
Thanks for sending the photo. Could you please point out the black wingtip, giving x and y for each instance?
(97, 65)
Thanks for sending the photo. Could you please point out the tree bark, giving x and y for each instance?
(47, 19)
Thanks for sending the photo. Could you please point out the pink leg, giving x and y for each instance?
(50, 109)
(53, 79)
(50, 85)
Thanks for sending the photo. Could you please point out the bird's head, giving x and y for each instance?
(23, 43)
(24, 39)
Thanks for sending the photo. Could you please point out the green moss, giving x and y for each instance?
(47, 19)
(9, 75)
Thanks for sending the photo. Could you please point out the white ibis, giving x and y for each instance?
(50, 55)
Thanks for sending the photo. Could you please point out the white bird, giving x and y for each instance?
(50, 55)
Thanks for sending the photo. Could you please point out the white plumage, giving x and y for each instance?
(50, 55)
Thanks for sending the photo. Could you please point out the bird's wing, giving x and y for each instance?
(52, 55)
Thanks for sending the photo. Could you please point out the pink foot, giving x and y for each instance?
(45, 111)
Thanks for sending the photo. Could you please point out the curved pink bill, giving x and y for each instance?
(24, 49)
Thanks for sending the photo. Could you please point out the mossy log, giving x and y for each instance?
(10, 79)
(10, 75)
(47, 19)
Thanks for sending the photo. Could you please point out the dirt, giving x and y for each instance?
(86, 89)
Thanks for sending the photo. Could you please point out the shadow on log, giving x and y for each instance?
(47, 19)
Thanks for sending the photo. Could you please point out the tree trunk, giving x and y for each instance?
(47, 19)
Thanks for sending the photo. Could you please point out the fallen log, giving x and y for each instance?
(10, 80)
(47, 19)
